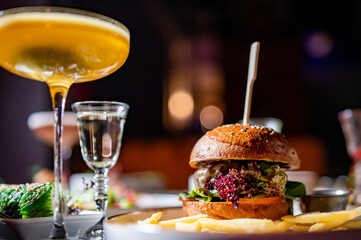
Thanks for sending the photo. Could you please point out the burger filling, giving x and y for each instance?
(233, 180)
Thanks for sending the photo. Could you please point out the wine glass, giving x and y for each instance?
(60, 46)
(100, 125)
(350, 120)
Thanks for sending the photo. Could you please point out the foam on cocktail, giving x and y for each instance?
(61, 48)
(64, 17)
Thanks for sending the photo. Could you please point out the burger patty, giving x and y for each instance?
(205, 174)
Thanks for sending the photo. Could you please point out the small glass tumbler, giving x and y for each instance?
(100, 125)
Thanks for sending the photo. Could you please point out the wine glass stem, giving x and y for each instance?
(101, 186)
(58, 230)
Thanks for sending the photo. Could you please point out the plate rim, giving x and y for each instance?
(215, 235)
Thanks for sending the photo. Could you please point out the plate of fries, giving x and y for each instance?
(169, 223)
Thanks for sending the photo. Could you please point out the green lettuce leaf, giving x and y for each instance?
(200, 194)
(295, 190)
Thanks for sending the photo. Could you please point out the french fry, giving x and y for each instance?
(171, 223)
(152, 219)
(357, 211)
(324, 217)
(233, 226)
(352, 224)
(237, 225)
(188, 227)
(283, 226)
(308, 222)
(300, 228)
(324, 226)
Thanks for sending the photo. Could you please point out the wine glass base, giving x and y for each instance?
(96, 232)
(58, 232)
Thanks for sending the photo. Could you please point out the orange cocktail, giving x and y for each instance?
(60, 46)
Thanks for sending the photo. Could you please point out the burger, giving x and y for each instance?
(240, 174)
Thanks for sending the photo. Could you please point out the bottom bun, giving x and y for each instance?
(225, 210)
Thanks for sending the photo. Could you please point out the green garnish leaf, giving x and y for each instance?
(183, 195)
(264, 166)
(295, 190)
(260, 195)
(215, 193)
(200, 194)
(290, 209)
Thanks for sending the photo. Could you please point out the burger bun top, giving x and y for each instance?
(243, 143)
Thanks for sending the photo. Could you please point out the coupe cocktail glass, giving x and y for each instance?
(60, 46)
(100, 125)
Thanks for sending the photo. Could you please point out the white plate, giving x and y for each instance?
(124, 226)
(39, 228)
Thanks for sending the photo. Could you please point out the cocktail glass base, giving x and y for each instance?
(58, 232)
(96, 232)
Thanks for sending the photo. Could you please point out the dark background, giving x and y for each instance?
(305, 92)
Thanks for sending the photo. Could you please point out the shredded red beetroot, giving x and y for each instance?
(231, 186)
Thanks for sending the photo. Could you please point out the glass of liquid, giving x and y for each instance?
(100, 126)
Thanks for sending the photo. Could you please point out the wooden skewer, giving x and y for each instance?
(252, 75)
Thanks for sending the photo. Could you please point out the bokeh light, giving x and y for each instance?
(319, 45)
(181, 105)
(211, 117)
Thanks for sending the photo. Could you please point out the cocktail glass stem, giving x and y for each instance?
(58, 231)
(101, 186)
